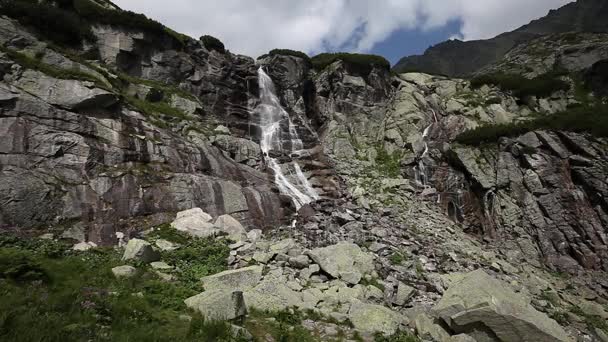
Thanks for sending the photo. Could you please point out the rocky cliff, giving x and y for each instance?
(462, 58)
(430, 188)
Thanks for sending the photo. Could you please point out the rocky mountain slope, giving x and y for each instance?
(456, 58)
(449, 209)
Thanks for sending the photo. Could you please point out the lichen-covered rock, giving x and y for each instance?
(125, 271)
(371, 318)
(344, 260)
(195, 222)
(228, 225)
(480, 302)
(218, 305)
(239, 279)
(141, 250)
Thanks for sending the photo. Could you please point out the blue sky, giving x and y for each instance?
(406, 42)
(391, 28)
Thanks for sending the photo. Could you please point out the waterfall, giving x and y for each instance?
(420, 170)
(272, 118)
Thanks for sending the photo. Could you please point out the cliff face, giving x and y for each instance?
(458, 59)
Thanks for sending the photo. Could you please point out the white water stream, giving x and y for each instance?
(272, 115)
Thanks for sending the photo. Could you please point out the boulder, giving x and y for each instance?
(125, 271)
(429, 328)
(218, 304)
(272, 295)
(165, 245)
(371, 318)
(141, 250)
(227, 224)
(480, 305)
(403, 294)
(84, 246)
(240, 279)
(343, 261)
(195, 222)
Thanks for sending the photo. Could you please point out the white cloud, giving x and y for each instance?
(253, 27)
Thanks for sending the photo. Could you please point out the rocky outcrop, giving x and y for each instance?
(452, 58)
(487, 310)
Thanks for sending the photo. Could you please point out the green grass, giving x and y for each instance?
(388, 164)
(50, 293)
(155, 108)
(519, 86)
(591, 320)
(196, 258)
(397, 258)
(359, 63)
(592, 119)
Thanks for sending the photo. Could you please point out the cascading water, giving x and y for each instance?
(272, 119)
(420, 170)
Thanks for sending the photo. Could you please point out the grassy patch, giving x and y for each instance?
(196, 258)
(591, 119)
(54, 294)
(591, 320)
(388, 164)
(519, 86)
(397, 258)
(359, 63)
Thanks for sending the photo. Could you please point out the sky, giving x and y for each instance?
(391, 28)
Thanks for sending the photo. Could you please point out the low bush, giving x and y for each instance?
(519, 86)
(360, 63)
(56, 24)
(591, 119)
(212, 43)
(286, 52)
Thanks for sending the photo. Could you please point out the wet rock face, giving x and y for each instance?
(77, 156)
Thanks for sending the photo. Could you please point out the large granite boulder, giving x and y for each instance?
(371, 318)
(240, 279)
(218, 305)
(195, 222)
(343, 261)
(487, 309)
(140, 250)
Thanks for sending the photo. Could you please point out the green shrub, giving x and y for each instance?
(388, 164)
(519, 86)
(286, 52)
(359, 63)
(212, 43)
(56, 24)
(591, 119)
(19, 266)
(399, 336)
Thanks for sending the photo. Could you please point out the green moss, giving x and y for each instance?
(372, 282)
(155, 108)
(359, 63)
(591, 119)
(212, 43)
(519, 86)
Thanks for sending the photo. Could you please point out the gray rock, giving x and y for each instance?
(343, 258)
(125, 271)
(300, 261)
(479, 300)
(218, 304)
(371, 318)
(141, 250)
(403, 294)
(227, 224)
(195, 222)
(165, 245)
(240, 279)
(161, 265)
